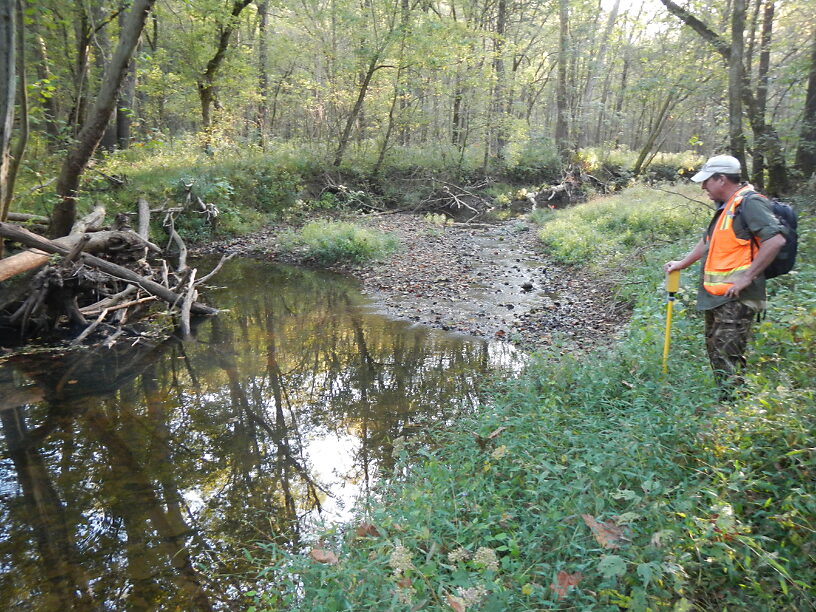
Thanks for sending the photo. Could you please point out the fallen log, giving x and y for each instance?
(34, 241)
(27, 218)
(97, 242)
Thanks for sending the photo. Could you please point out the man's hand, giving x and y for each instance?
(740, 284)
(671, 266)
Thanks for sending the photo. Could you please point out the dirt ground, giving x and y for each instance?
(491, 281)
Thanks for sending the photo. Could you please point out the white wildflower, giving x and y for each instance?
(472, 596)
(460, 554)
(400, 559)
(486, 558)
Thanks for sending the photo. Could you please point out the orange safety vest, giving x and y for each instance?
(728, 256)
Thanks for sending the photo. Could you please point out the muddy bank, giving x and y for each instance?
(491, 281)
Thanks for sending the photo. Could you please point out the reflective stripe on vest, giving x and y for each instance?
(728, 256)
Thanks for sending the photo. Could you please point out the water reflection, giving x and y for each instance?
(131, 476)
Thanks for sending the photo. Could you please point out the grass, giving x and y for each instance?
(597, 483)
(607, 231)
(328, 242)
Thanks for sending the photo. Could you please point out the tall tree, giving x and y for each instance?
(766, 139)
(736, 81)
(79, 155)
(562, 135)
(758, 167)
(806, 153)
(263, 72)
(206, 81)
(8, 22)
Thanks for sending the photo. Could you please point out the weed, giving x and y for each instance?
(329, 242)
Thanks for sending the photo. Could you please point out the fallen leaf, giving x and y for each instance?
(324, 556)
(606, 534)
(563, 581)
(456, 603)
(367, 530)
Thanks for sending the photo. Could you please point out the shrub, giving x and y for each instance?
(328, 242)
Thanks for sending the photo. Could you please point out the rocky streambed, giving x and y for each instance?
(487, 280)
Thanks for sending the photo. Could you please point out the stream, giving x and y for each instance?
(132, 477)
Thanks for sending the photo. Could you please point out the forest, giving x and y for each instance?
(499, 88)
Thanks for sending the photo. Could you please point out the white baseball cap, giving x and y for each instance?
(719, 164)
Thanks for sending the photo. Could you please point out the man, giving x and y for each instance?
(735, 250)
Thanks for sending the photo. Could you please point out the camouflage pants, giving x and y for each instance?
(727, 331)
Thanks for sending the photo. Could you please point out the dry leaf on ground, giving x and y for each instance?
(607, 534)
(457, 603)
(564, 581)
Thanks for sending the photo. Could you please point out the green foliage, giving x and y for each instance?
(329, 242)
(610, 229)
(537, 162)
(702, 505)
(438, 219)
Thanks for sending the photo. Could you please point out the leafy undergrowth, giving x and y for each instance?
(596, 483)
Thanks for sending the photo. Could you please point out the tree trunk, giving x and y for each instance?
(127, 101)
(100, 58)
(355, 111)
(44, 74)
(657, 127)
(806, 153)
(263, 74)
(22, 140)
(8, 58)
(500, 91)
(736, 79)
(562, 136)
(758, 168)
(77, 159)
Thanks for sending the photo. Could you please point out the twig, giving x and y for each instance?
(700, 202)
(88, 310)
(87, 331)
(42, 185)
(224, 258)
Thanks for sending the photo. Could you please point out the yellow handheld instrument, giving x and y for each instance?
(672, 285)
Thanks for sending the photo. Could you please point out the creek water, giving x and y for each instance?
(132, 477)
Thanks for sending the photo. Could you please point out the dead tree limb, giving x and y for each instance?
(214, 271)
(31, 240)
(188, 302)
(144, 219)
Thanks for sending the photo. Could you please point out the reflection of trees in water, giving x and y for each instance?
(145, 472)
(107, 524)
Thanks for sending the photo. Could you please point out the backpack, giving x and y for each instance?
(786, 258)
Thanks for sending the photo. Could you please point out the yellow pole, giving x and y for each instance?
(672, 285)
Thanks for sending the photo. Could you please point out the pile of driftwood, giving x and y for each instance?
(94, 285)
